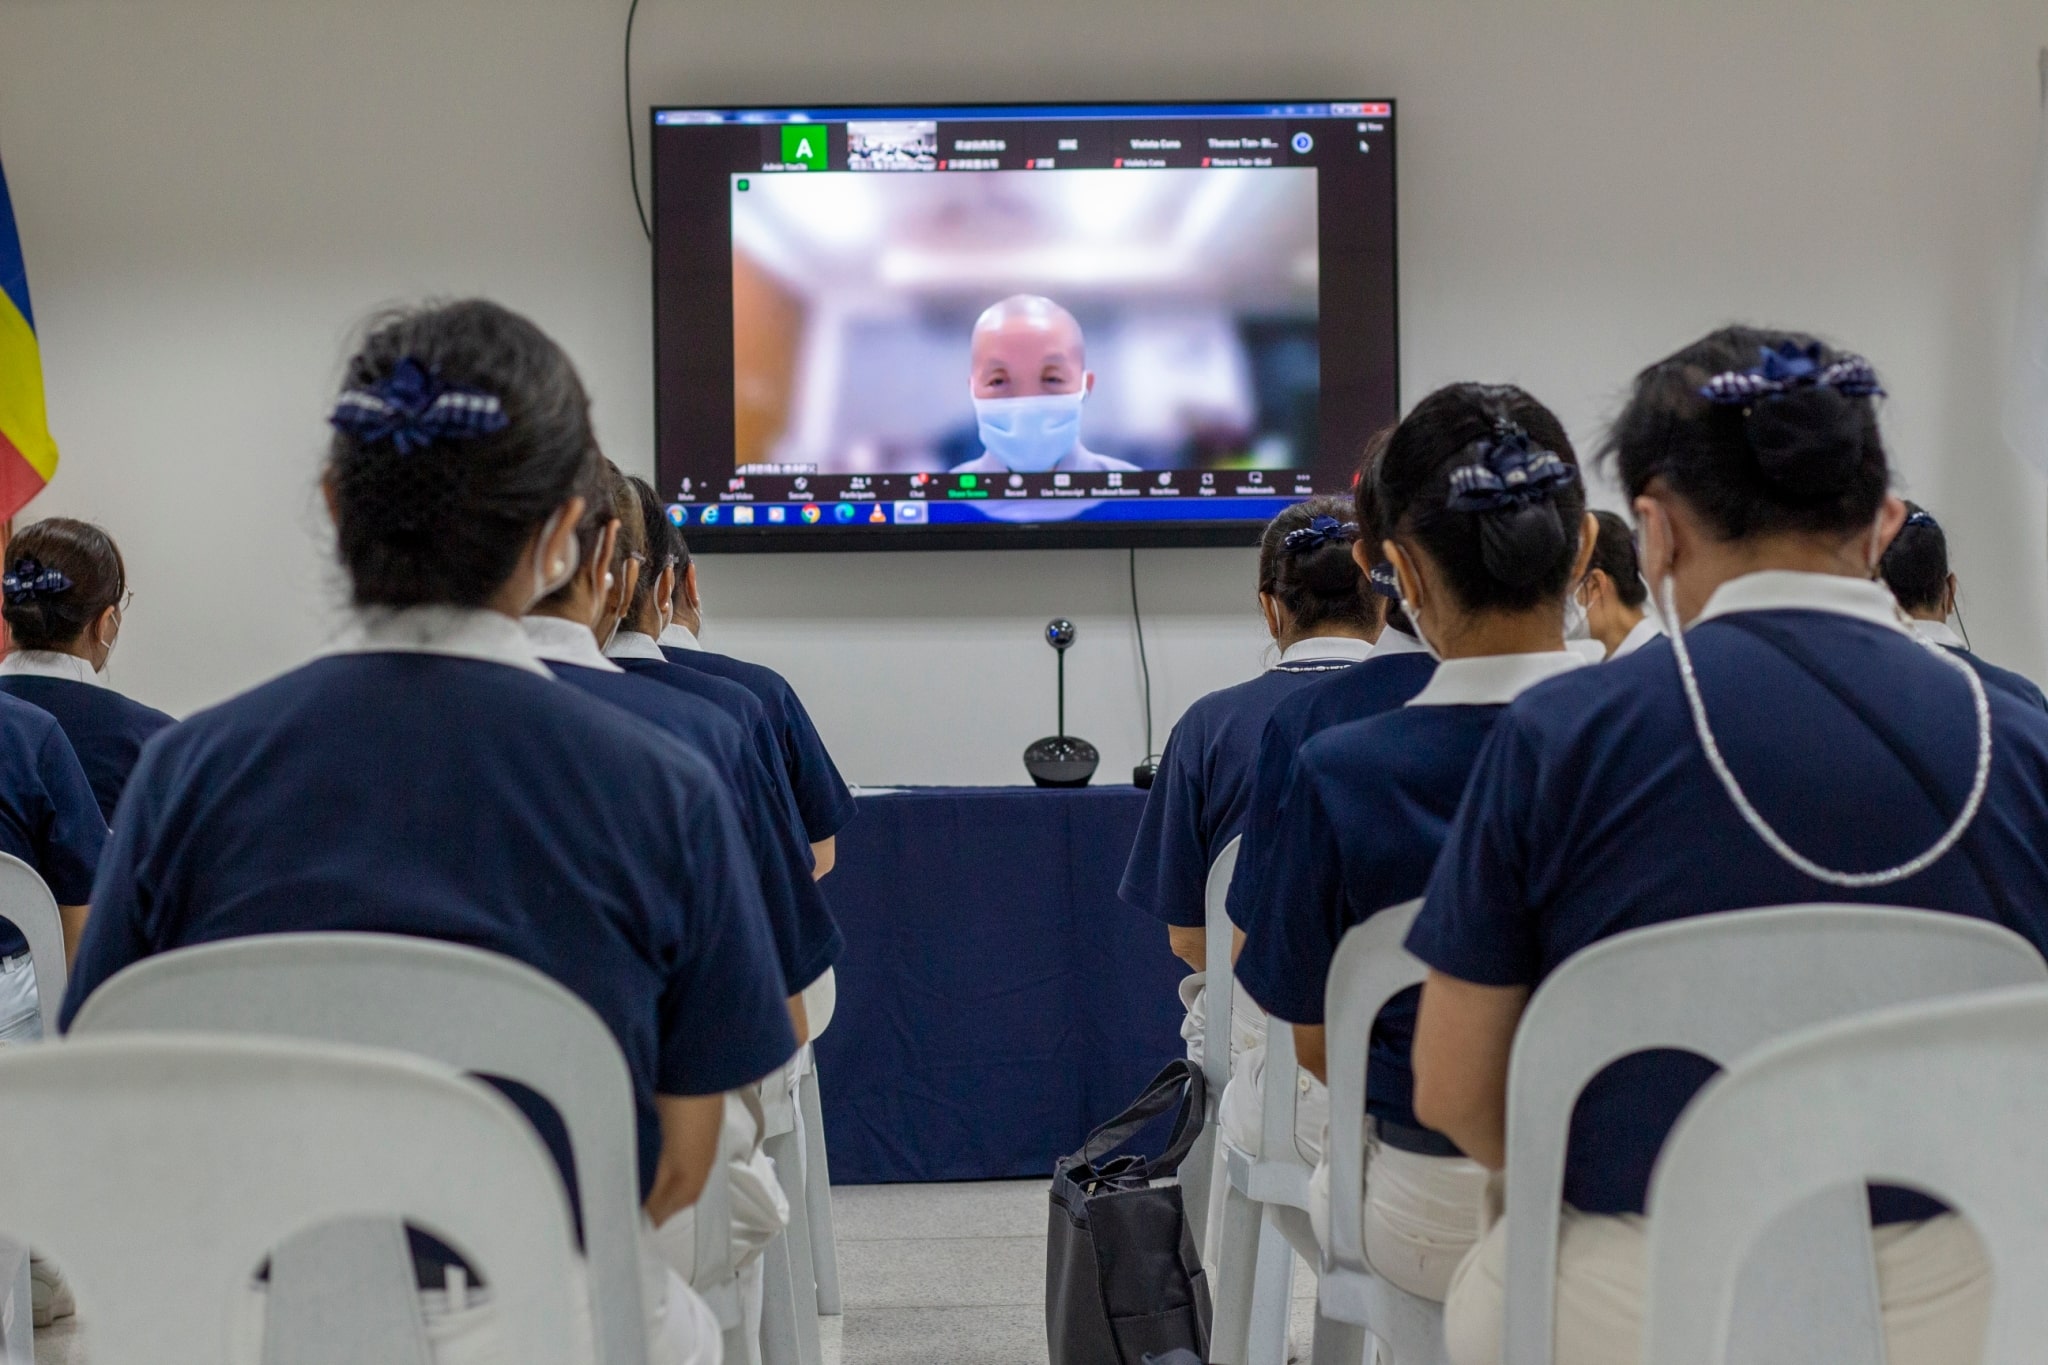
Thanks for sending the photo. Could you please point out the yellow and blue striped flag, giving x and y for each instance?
(28, 457)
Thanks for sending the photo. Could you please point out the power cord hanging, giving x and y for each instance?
(1143, 775)
(632, 144)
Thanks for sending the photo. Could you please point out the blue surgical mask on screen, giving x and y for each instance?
(1030, 435)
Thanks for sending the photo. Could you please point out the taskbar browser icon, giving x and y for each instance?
(811, 513)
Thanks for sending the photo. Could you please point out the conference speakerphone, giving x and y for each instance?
(1001, 326)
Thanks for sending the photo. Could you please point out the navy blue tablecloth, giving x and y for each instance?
(996, 1000)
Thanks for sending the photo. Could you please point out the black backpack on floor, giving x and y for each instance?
(1123, 1277)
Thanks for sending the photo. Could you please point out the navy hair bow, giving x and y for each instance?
(1384, 581)
(1319, 532)
(29, 580)
(1920, 516)
(412, 409)
(1787, 367)
(1509, 472)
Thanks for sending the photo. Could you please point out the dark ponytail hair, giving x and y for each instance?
(1915, 564)
(1514, 554)
(40, 614)
(442, 520)
(1806, 459)
(1305, 564)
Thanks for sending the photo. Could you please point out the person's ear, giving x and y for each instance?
(598, 572)
(1270, 609)
(560, 544)
(1088, 382)
(1413, 591)
(1948, 605)
(1890, 519)
(1589, 536)
(621, 599)
(665, 596)
(328, 495)
(1656, 541)
(1361, 557)
(690, 594)
(106, 627)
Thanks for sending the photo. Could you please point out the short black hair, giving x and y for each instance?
(445, 524)
(1614, 554)
(1809, 460)
(1915, 564)
(84, 554)
(1505, 560)
(1319, 585)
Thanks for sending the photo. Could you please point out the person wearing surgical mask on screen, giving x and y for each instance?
(1030, 381)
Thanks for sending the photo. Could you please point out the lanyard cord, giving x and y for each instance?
(1754, 818)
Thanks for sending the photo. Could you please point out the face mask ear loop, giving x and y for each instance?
(1752, 817)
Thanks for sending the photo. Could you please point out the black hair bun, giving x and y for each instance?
(1519, 545)
(1329, 568)
(1809, 442)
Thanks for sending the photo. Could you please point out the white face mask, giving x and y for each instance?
(1415, 621)
(1030, 435)
(544, 582)
(1577, 625)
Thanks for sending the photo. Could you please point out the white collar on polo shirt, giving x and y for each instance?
(456, 632)
(49, 663)
(633, 644)
(1790, 590)
(1492, 679)
(565, 642)
(679, 637)
(1639, 635)
(1326, 647)
(1394, 641)
(1937, 632)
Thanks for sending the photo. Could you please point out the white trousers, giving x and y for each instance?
(1934, 1287)
(1247, 1020)
(681, 1329)
(1422, 1215)
(1241, 1114)
(21, 1019)
(759, 1208)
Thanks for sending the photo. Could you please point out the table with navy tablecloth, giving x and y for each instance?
(996, 999)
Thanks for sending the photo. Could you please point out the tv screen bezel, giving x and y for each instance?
(992, 535)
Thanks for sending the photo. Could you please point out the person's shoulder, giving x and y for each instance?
(759, 679)
(137, 716)
(26, 720)
(672, 708)
(2017, 685)
(1403, 738)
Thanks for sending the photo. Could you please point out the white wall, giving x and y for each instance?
(212, 192)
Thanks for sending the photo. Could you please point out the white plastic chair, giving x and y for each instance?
(1371, 967)
(26, 903)
(1721, 985)
(1198, 1171)
(471, 1010)
(161, 1171)
(1264, 1218)
(1949, 1095)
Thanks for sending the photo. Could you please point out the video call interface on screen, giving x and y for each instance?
(980, 316)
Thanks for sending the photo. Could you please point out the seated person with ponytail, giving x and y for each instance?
(1397, 669)
(1483, 516)
(1848, 759)
(1612, 593)
(429, 776)
(821, 795)
(564, 628)
(1313, 599)
(1915, 568)
(61, 626)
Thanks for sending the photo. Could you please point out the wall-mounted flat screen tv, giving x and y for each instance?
(1021, 325)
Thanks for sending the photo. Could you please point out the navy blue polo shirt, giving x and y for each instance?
(2004, 679)
(1366, 812)
(807, 939)
(48, 816)
(1592, 811)
(106, 729)
(821, 795)
(1199, 800)
(1383, 682)
(471, 801)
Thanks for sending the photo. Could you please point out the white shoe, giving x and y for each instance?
(51, 1295)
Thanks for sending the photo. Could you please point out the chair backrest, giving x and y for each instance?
(26, 903)
(160, 1171)
(1220, 982)
(1949, 1095)
(1371, 968)
(465, 1008)
(1718, 985)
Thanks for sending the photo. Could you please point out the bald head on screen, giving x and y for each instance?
(1029, 376)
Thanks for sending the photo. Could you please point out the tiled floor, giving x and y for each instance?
(930, 1274)
(953, 1275)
